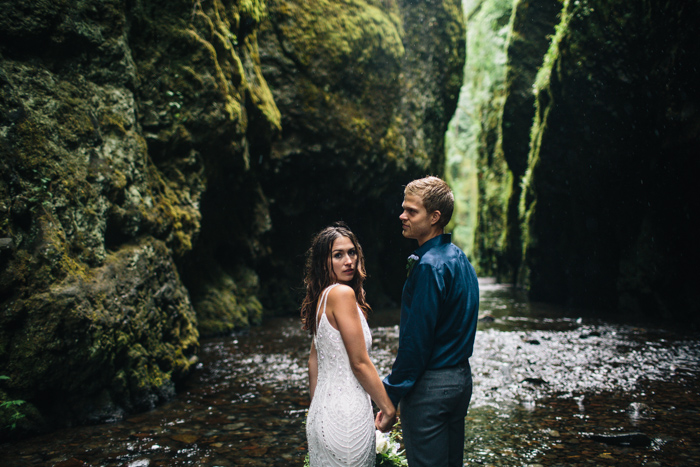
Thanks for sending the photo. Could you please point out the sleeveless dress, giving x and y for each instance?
(340, 424)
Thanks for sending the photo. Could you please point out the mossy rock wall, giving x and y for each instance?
(475, 166)
(119, 125)
(610, 202)
(163, 165)
(598, 129)
(530, 30)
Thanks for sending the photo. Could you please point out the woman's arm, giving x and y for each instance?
(342, 313)
(313, 370)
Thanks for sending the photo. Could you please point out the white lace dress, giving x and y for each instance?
(340, 425)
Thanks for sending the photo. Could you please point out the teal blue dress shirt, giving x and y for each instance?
(439, 312)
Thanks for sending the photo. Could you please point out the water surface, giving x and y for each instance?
(546, 380)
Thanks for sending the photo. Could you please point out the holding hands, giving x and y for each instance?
(384, 422)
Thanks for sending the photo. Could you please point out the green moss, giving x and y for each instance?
(113, 122)
(253, 9)
(260, 93)
(476, 169)
(543, 105)
(393, 143)
(550, 58)
(227, 301)
(31, 145)
(331, 33)
(174, 215)
(143, 375)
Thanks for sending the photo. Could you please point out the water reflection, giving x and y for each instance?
(545, 379)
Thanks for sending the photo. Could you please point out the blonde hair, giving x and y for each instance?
(436, 196)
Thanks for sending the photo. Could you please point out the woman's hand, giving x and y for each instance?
(384, 422)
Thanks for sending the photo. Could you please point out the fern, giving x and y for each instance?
(11, 406)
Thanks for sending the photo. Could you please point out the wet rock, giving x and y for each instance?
(535, 381)
(621, 439)
(255, 451)
(639, 410)
(487, 318)
(186, 438)
(234, 426)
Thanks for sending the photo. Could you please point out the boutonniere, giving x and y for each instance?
(412, 260)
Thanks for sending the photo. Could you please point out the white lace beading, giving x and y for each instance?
(340, 425)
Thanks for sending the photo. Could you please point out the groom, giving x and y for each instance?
(431, 376)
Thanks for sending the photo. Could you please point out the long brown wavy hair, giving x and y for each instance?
(319, 273)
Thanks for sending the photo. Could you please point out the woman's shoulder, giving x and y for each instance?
(341, 292)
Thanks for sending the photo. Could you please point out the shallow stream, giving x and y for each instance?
(551, 388)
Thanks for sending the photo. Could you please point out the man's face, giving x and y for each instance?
(415, 220)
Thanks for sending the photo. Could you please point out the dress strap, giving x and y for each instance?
(322, 302)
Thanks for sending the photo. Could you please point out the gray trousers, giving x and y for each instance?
(432, 417)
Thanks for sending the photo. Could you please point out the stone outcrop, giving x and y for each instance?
(163, 165)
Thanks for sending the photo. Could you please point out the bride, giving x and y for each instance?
(342, 378)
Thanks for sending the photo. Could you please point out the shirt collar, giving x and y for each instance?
(433, 242)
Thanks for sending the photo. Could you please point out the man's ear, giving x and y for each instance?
(435, 217)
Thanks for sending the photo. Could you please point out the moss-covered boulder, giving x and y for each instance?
(103, 341)
(365, 88)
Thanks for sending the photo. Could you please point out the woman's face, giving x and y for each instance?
(343, 259)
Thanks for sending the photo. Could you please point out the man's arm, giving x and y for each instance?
(417, 332)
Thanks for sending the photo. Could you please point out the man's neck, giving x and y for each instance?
(434, 233)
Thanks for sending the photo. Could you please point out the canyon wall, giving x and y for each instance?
(164, 164)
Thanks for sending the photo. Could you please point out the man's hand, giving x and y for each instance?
(384, 423)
